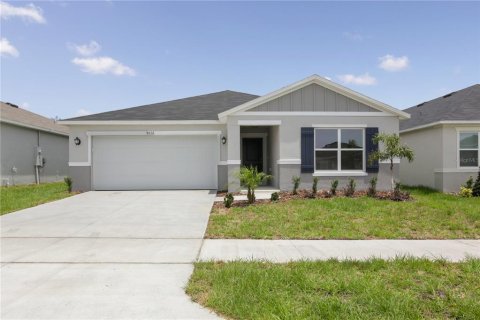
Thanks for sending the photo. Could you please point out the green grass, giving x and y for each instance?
(375, 289)
(26, 196)
(432, 215)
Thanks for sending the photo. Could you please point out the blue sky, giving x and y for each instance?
(72, 58)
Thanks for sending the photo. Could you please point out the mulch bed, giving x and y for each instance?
(323, 194)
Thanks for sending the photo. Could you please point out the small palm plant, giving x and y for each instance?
(251, 178)
(392, 148)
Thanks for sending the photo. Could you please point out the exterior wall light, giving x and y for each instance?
(224, 140)
(77, 141)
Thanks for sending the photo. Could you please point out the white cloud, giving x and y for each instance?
(82, 112)
(6, 48)
(30, 12)
(363, 79)
(354, 36)
(103, 65)
(85, 49)
(392, 63)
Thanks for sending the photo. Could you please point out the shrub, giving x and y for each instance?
(251, 178)
(274, 197)
(469, 183)
(372, 189)
(296, 183)
(397, 192)
(68, 182)
(350, 188)
(333, 187)
(476, 186)
(314, 186)
(465, 192)
(228, 200)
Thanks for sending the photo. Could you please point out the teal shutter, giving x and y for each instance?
(370, 146)
(308, 156)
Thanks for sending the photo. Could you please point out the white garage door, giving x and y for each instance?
(154, 162)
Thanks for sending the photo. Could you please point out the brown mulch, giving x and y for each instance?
(323, 194)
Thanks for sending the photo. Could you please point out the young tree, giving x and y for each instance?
(392, 148)
(251, 178)
(476, 186)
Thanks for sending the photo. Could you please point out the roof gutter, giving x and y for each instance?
(433, 124)
(136, 122)
(31, 126)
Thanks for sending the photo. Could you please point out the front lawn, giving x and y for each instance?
(431, 215)
(375, 289)
(26, 196)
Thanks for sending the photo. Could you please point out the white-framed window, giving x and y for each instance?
(339, 149)
(468, 149)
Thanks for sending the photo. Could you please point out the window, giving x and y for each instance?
(339, 150)
(469, 149)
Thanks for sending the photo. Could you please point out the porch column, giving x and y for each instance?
(233, 155)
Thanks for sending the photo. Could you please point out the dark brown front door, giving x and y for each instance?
(252, 153)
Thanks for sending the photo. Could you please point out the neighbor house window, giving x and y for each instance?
(339, 149)
(469, 149)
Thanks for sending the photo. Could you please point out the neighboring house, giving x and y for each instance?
(34, 149)
(201, 142)
(444, 134)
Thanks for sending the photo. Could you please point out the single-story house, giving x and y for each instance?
(313, 127)
(445, 136)
(34, 149)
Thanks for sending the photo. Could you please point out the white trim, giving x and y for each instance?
(222, 163)
(315, 79)
(457, 170)
(30, 126)
(395, 161)
(261, 135)
(259, 122)
(136, 122)
(316, 113)
(339, 174)
(465, 130)
(289, 161)
(79, 164)
(440, 123)
(234, 162)
(339, 150)
(340, 126)
(151, 133)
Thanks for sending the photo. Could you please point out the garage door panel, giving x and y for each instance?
(155, 162)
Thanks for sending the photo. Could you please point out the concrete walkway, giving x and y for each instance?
(104, 255)
(293, 250)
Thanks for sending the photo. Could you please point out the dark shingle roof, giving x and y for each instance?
(456, 106)
(204, 107)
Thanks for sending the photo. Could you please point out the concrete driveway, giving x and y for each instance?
(116, 255)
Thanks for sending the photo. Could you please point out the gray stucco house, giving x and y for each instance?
(34, 149)
(444, 133)
(313, 127)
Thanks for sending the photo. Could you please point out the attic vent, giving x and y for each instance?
(421, 104)
(448, 95)
(12, 105)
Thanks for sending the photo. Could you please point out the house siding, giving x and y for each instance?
(313, 98)
(18, 149)
(436, 154)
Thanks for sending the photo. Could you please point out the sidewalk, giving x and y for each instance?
(291, 250)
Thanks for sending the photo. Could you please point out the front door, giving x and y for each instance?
(252, 153)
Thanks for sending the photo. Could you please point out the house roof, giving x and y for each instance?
(10, 113)
(203, 107)
(461, 105)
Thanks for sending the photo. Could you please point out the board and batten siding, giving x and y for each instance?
(314, 98)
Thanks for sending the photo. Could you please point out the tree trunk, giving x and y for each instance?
(391, 173)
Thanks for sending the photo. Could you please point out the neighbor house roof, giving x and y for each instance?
(204, 107)
(457, 106)
(10, 113)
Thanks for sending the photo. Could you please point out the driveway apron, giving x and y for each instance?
(106, 254)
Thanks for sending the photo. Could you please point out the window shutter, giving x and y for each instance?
(370, 147)
(307, 150)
